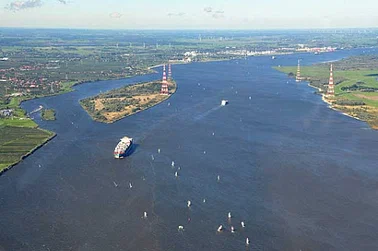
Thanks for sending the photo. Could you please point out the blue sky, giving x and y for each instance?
(193, 14)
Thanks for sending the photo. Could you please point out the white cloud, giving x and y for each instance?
(208, 9)
(21, 5)
(115, 15)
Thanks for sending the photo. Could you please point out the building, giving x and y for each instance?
(6, 113)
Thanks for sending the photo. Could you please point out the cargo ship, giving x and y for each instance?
(123, 146)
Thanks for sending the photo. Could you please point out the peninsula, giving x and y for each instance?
(122, 102)
(356, 85)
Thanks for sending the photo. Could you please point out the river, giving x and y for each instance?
(300, 175)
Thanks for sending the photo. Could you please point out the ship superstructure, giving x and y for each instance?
(122, 147)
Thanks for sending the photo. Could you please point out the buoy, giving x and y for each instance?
(220, 228)
(189, 203)
(242, 224)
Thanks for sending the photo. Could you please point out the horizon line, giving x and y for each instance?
(190, 29)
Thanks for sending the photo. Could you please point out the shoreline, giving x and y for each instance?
(133, 113)
(71, 89)
(116, 120)
(30, 152)
(335, 108)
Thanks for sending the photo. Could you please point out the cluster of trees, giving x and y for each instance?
(358, 87)
(349, 102)
(88, 104)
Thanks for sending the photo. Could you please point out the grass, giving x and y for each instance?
(67, 86)
(18, 122)
(356, 81)
(16, 142)
(19, 136)
(48, 114)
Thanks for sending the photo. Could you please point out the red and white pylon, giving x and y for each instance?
(331, 87)
(169, 71)
(164, 83)
(298, 77)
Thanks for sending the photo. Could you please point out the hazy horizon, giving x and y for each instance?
(188, 15)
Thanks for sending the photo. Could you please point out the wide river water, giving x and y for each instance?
(300, 175)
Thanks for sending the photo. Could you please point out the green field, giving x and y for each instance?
(356, 85)
(318, 77)
(19, 135)
(16, 142)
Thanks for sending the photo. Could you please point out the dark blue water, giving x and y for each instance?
(300, 175)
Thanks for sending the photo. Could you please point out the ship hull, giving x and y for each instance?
(123, 154)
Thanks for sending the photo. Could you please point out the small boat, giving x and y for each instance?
(224, 102)
(220, 228)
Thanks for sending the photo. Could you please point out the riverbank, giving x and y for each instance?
(20, 119)
(356, 86)
(19, 142)
(125, 101)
